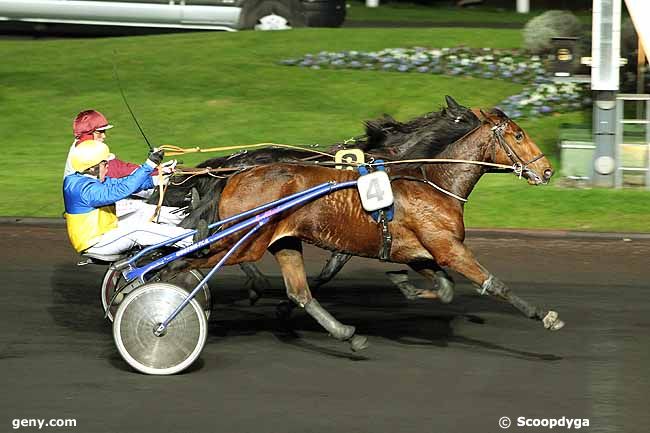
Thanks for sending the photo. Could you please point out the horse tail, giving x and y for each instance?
(209, 190)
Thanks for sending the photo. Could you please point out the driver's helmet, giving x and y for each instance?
(88, 154)
(88, 122)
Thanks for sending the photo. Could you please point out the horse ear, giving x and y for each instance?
(499, 113)
(451, 103)
(487, 118)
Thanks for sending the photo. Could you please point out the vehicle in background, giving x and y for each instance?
(174, 14)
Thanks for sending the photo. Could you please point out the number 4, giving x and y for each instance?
(374, 191)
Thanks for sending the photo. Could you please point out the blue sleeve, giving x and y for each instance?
(98, 194)
(148, 184)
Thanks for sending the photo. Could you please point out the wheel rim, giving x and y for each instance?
(187, 280)
(272, 22)
(140, 313)
(110, 283)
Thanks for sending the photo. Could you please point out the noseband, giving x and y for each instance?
(518, 164)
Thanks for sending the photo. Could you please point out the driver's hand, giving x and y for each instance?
(169, 167)
(156, 157)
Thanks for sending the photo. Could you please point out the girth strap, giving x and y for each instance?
(386, 237)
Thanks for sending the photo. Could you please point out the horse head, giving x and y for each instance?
(512, 146)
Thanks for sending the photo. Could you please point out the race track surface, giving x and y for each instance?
(430, 367)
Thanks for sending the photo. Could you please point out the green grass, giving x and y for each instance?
(409, 12)
(222, 89)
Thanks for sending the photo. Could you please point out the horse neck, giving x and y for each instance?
(459, 178)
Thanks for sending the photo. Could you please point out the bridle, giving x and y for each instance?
(519, 166)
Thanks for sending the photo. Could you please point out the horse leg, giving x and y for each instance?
(410, 291)
(432, 272)
(443, 282)
(288, 253)
(331, 268)
(458, 257)
(257, 282)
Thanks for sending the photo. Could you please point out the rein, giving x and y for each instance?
(518, 166)
(171, 150)
(234, 170)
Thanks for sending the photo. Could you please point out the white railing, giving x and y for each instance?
(621, 145)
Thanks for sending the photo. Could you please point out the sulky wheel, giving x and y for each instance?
(113, 280)
(140, 314)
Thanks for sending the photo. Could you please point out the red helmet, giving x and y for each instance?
(88, 122)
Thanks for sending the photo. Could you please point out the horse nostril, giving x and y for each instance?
(548, 173)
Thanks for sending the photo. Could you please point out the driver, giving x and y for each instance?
(93, 125)
(90, 195)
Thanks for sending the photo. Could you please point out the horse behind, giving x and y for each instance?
(427, 227)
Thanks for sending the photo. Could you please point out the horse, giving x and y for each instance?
(427, 228)
(385, 138)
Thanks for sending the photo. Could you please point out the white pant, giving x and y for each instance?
(124, 238)
(134, 211)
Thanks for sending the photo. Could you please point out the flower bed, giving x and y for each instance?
(540, 96)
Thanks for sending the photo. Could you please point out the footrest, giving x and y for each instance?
(100, 258)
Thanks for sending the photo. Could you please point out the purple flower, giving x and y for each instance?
(545, 109)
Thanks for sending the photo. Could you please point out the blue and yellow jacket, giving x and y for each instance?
(90, 204)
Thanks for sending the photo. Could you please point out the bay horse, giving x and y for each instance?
(385, 138)
(427, 228)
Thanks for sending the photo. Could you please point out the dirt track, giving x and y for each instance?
(430, 368)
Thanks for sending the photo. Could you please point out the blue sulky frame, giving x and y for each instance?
(260, 216)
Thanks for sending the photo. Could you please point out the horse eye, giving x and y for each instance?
(519, 136)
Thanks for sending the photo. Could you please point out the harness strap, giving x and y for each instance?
(386, 237)
(381, 216)
(431, 184)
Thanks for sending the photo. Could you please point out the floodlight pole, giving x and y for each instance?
(605, 62)
(523, 6)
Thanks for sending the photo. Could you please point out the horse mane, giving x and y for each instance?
(422, 137)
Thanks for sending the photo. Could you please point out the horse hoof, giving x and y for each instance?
(552, 322)
(253, 297)
(283, 310)
(358, 342)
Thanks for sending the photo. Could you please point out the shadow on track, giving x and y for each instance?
(375, 311)
(76, 303)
